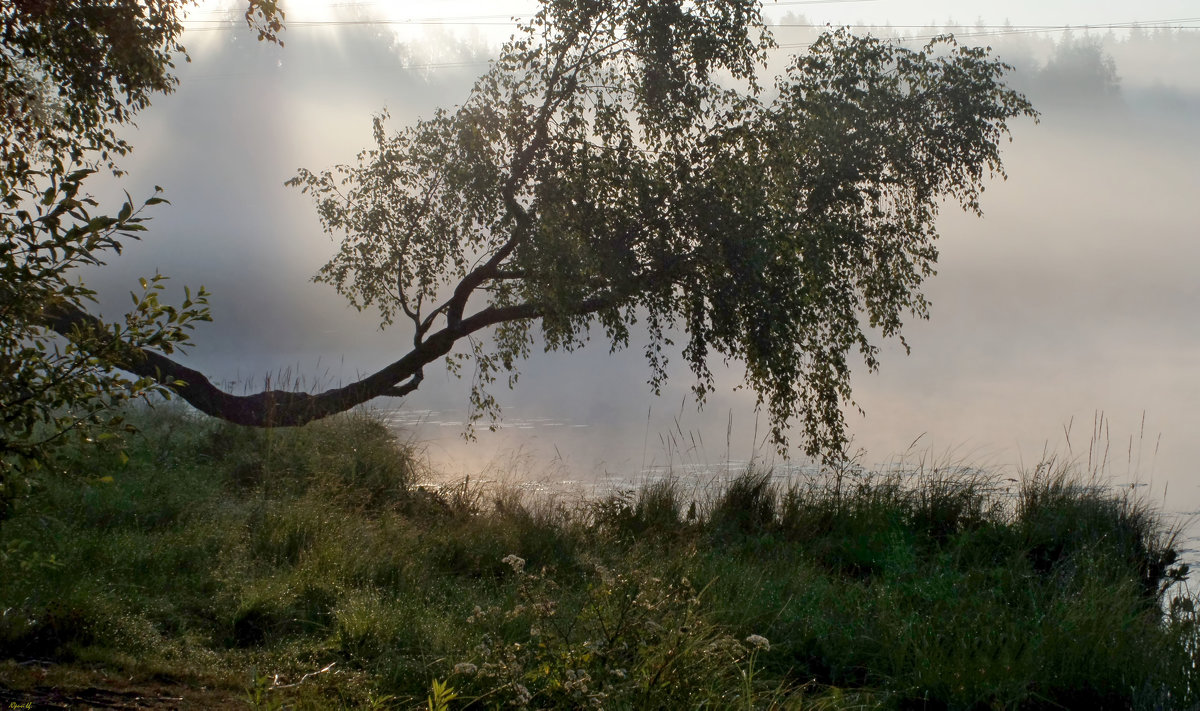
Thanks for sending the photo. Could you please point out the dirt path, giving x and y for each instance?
(45, 686)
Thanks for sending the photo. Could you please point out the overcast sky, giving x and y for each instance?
(1077, 293)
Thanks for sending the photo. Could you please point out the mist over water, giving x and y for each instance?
(1076, 294)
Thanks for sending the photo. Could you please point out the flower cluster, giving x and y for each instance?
(515, 562)
(633, 640)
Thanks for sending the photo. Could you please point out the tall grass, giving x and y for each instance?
(316, 568)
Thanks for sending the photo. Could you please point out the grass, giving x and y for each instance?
(311, 568)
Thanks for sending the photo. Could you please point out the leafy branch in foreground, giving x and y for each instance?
(71, 74)
(605, 172)
(50, 387)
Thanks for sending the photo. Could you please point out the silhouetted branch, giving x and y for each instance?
(281, 408)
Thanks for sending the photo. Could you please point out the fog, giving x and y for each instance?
(1076, 293)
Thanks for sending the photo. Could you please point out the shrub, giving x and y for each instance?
(747, 505)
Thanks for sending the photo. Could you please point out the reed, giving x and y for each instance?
(319, 567)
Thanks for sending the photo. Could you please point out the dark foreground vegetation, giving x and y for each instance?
(224, 567)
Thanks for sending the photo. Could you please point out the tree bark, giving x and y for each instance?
(284, 408)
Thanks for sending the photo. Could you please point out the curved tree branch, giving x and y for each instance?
(282, 408)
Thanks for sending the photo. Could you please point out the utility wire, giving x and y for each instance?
(1172, 24)
(1007, 30)
(978, 30)
(233, 17)
(229, 23)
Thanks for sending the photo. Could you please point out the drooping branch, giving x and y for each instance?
(282, 408)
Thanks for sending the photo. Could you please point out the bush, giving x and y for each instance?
(747, 505)
(932, 590)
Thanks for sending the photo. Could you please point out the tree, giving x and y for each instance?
(71, 73)
(621, 162)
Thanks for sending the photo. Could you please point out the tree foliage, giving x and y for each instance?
(72, 72)
(622, 162)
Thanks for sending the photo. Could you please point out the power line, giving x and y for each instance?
(1128, 24)
(1007, 30)
(980, 31)
(233, 16)
(972, 30)
(977, 30)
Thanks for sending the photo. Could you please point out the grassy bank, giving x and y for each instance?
(307, 569)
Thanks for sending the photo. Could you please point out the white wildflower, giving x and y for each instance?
(759, 642)
(517, 562)
(465, 668)
(523, 695)
(577, 680)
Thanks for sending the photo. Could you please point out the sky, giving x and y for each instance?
(1064, 321)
